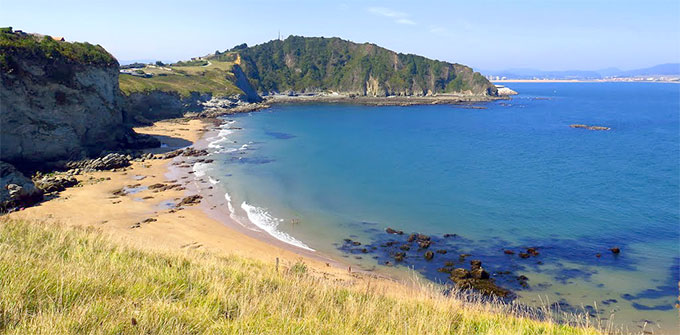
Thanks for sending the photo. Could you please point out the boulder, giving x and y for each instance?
(429, 255)
(50, 184)
(16, 190)
(108, 162)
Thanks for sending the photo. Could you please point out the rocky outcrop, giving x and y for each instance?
(146, 107)
(50, 184)
(108, 162)
(59, 101)
(505, 91)
(16, 190)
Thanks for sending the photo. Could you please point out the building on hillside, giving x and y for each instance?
(58, 38)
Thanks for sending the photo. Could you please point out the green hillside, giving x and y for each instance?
(216, 78)
(332, 64)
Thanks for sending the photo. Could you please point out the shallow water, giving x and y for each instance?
(508, 177)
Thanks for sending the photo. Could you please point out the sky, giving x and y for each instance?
(491, 35)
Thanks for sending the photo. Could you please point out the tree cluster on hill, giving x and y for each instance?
(332, 64)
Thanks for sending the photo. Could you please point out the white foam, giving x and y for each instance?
(262, 219)
(200, 169)
(213, 181)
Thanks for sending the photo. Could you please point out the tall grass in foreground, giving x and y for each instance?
(56, 280)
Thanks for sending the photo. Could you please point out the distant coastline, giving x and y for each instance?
(617, 80)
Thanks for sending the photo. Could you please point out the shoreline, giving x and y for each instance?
(149, 219)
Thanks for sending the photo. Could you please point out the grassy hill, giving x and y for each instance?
(72, 281)
(215, 77)
(15, 46)
(316, 63)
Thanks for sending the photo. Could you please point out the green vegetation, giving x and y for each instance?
(15, 45)
(216, 78)
(317, 63)
(60, 280)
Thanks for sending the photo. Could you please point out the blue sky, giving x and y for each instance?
(551, 35)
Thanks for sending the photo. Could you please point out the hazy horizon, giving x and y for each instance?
(485, 35)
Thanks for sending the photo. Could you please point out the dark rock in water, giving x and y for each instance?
(422, 237)
(412, 237)
(460, 273)
(393, 231)
(429, 255)
(475, 264)
(441, 251)
(347, 240)
(445, 270)
(508, 252)
(356, 243)
(609, 301)
(405, 247)
(532, 252)
(598, 255)
(399, 257)
(450, 235)
(523, 281)
(523, 255)
(479, 273)
(50, 184)
(615, 250)
(16, 190)
(364, 250)
(449, 263)
(424, 244)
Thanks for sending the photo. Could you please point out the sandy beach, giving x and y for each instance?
(148, 218)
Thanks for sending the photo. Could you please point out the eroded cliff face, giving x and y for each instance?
(54, 108)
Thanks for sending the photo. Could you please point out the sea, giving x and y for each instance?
(482, 180)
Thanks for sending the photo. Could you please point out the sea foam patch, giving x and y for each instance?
(265, 221)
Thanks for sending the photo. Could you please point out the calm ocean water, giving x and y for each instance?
(510, 176)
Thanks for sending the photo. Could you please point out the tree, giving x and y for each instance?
(159, 63)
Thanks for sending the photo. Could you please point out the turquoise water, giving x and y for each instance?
(510, 176)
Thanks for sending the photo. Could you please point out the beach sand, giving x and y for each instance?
(197, 227)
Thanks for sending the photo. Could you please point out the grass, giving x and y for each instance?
(215, 78)
(58, 280)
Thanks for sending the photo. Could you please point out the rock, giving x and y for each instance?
(441, 251)
(355, 243)
(532, 252)
(449, 263)
(399, 257)
(50, 184)
(475, 264)
(584, 126)
(424, 244)
(615, 250)
(523, 255)
(190, 200)
(108, 162)
(429, 255)
(504, 91)
(450, 235)
(598, 255)
(16, 190)
(412, 237)
(479, 273)
(393, 231)
(508, 252)
(460, 273)
(405, 247)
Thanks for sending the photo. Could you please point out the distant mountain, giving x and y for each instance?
(307, 64)
(669, 69)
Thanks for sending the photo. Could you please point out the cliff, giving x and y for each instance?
(59, 101)
(305, 64)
